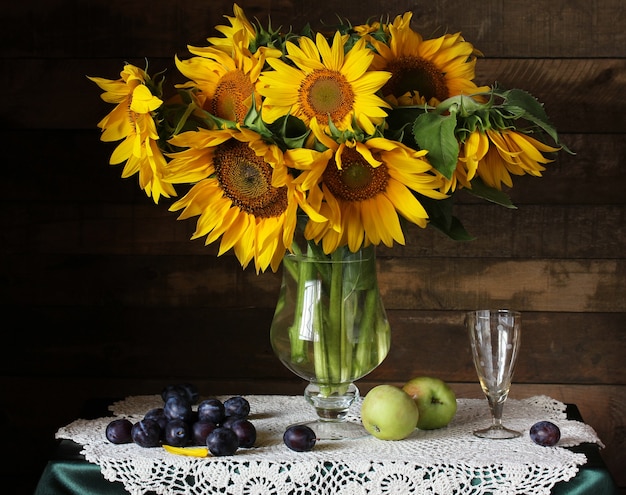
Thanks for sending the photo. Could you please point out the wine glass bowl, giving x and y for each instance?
(495, 339)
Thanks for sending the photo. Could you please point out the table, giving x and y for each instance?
(68, 472)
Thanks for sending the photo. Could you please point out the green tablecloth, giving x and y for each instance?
(68, 473)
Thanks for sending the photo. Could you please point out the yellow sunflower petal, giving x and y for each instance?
(144, 101)
(353, 227)
(406, 203)
(332, 57)
(187, 451)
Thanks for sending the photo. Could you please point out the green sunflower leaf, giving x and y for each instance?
(435, 133)
(522, 104)
(531, 107)
(293, 131)
(440, 216)
(482, 190)
(453, 229)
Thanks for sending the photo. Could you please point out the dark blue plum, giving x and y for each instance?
(174, 390)
(545, 433)
(299, 438)
(200, 431)
(118, 431)
(177, 407)
(157, 414)
(177, 433)
(228, 421)
(146, 433)
(186, 390)
(237, 407)
(246, 432)
(211, 410)
(191, 391)
(222, 441)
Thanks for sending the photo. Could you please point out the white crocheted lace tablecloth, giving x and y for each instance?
(445, 461)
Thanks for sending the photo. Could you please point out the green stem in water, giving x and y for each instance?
(337, 301)
(367, 327)
(334, 358)
(298, 343)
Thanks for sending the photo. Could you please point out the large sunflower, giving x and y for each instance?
(225, 80)
(325, 83)
(424, 71)
(362, 189)
(131, 121)
(237, 196)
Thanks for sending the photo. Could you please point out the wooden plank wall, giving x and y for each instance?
(103, 295)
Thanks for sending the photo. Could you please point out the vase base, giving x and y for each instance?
(336, 430)
(331, 408)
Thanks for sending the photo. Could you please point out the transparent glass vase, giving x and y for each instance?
(330, 328)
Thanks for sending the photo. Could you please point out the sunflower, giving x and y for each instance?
(254, 39)
(493, 155)
(512, 152)
(237, 23)
(362, 189)
(237, 195)
(131, 121)
(424, 71)
(224, 83)
(325, 83)
(471, 152)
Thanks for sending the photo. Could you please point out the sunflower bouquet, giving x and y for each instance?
(343, 138)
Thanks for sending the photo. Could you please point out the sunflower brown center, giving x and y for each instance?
(357, 180)
(231, 93)
(325, 93)
(246, 180)
(415, 75)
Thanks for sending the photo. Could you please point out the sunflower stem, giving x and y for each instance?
(367, 328)
(301, 274)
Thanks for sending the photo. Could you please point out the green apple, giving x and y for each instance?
(389, 413)
(435, 400)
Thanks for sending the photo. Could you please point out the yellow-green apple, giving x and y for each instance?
(436, 401)
(389, 413)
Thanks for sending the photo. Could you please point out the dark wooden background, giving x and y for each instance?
(103, 295)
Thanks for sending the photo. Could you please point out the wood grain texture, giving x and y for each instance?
(537, 29)
(110, 341)
(595, 175)
(568, 88)
(108, 280)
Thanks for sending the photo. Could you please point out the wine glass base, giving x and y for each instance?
(497, 433)
(336, 430)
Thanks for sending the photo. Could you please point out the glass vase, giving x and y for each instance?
(330, 328)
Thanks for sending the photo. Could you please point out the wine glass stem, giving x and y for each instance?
(496, 412)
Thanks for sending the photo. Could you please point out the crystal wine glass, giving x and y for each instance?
(495, 339)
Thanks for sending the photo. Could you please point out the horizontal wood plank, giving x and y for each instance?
(564, 86)
(541, 28)
(406, 283)
(71, 168)
(110, 341)
(535, 231)
(540, 285)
